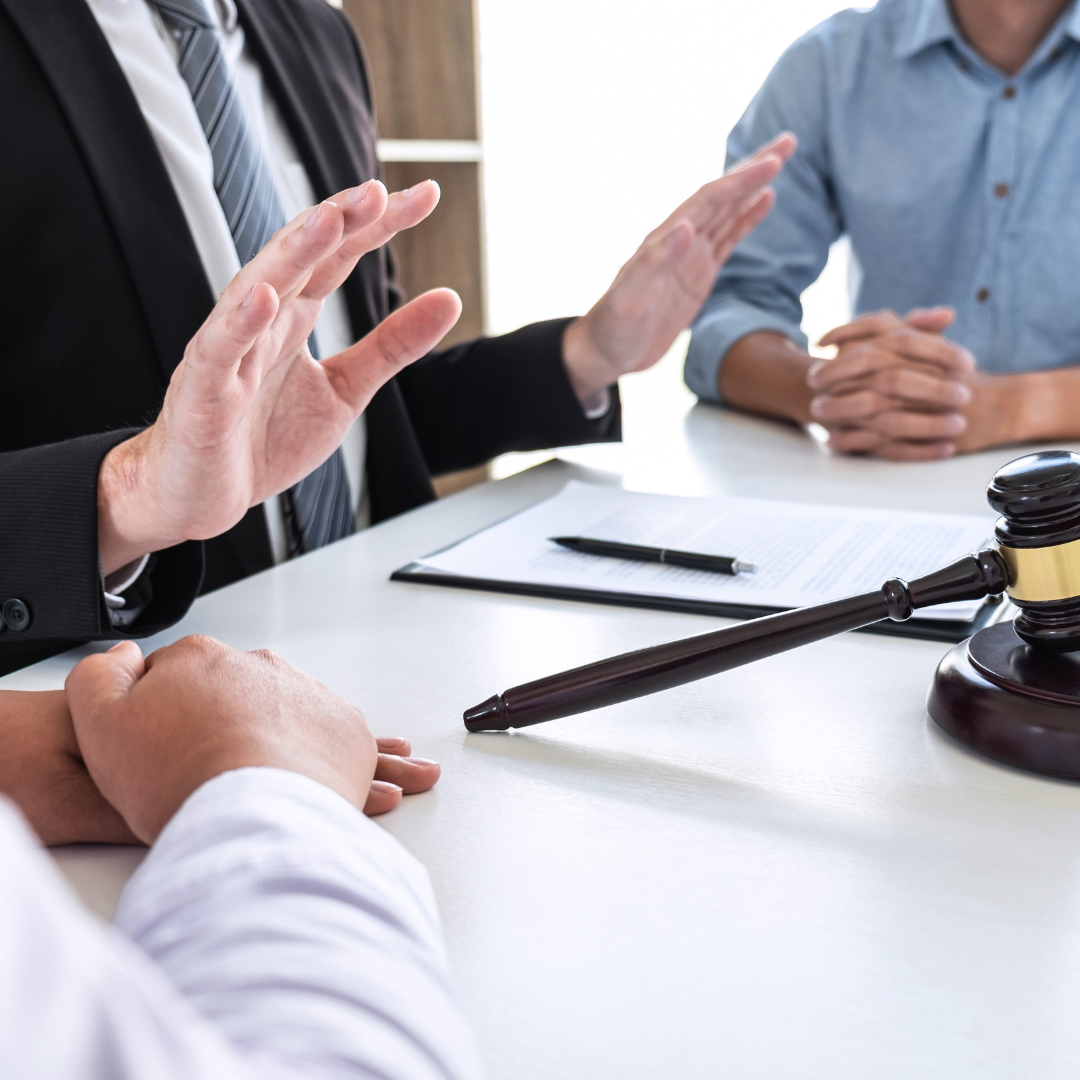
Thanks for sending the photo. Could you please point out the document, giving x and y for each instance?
(804, 554)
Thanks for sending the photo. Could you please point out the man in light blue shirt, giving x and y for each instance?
(944, 140)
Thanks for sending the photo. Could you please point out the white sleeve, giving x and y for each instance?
(79, 1001)
(292, 938)
(305, 932)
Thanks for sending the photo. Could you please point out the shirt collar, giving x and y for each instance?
(1072, 23)
(927, 22)
(226, 13)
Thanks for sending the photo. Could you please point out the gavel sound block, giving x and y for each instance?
(1011, 691)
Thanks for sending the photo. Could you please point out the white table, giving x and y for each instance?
(782, 871)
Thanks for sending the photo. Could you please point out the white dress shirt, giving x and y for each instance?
(147, 53)
(273, 931)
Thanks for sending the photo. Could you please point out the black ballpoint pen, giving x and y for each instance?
(714, 564)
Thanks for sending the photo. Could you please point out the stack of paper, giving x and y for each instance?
(804, 554)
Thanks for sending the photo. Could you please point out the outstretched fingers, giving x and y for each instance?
(290, 256)
(404, 336)
(738, 230)
(217, 350)
(737, 190)
(403, 210)
(783, 146)
(712, 208)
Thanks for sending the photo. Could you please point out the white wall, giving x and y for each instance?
(600, 117)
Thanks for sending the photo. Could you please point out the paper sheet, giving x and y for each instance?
(804, 554)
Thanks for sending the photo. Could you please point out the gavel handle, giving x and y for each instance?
(661, 667)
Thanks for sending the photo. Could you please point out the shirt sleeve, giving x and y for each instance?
(77, 999)
(125, 591)
(272, 932)
(759, 287)
(302, 930)
(51, 561)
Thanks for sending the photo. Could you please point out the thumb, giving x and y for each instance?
(402, 337)
(865, 326)
(102, 679)
(933, 320)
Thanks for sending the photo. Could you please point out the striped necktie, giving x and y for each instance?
(317, 510)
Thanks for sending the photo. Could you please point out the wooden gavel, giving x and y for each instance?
(1035, 560)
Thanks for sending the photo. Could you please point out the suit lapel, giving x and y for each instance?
(335, 151)
(328, 112)
(321, 102)
(121, 156)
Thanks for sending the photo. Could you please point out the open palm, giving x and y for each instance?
(249, 411)
(663, 285)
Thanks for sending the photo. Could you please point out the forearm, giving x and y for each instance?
(494, 395)
(765, 373)
(1040, 406)
(128, 527)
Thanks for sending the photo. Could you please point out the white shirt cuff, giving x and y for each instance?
(121, 580)
(597, 405)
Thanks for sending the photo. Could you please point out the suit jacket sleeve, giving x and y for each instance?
(493, 395)
(49, 553)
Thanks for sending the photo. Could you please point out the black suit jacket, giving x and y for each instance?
(101, 285)
(49, 553)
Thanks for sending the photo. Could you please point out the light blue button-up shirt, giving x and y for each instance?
(956, 184)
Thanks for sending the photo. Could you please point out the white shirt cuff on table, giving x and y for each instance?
(597, 405)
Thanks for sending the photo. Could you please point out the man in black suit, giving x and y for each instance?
(108, 273)
(248, 411)
(112, 260)
(226, 437)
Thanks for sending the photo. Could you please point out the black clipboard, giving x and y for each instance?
(947, 630)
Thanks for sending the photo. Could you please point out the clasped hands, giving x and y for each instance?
(899, 390)
(113, 756)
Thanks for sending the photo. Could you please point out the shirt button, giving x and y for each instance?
(982, 295)
(1001, 190)
(963, 65)
(1009, 93)
(17, 615)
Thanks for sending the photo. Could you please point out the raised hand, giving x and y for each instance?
(896, 388)
(248, 411)
(660, 290)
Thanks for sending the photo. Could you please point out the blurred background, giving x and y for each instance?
(599, 117)
(561, 134)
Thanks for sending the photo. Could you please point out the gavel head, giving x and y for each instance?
(1038, 536)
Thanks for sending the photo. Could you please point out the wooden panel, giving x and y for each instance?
(423, 63)
(445, 249)
(452, 483)
(423, 58)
